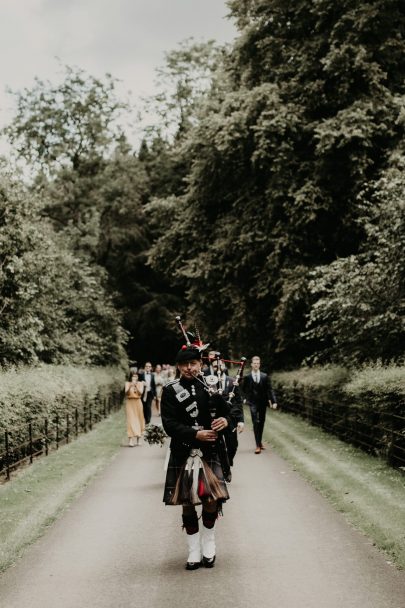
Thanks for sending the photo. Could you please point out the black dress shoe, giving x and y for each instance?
(208, 562)
(193, 565)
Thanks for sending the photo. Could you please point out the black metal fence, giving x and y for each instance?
(376, 430)
(42, 436)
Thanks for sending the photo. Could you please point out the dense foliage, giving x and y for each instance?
(92, 190)
(264, 203)
(31, 395)
(283, 162)
(54, 306)
(358, 307)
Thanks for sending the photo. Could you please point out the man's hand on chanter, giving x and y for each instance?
(206, 435)
(219, 424)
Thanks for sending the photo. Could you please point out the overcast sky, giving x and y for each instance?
(127, 38)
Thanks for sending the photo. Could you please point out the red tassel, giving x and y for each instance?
(202, 490)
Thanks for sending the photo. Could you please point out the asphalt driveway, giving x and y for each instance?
(279, 544)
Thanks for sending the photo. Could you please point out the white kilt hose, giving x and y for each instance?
(196, 469)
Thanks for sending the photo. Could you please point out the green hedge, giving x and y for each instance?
(377, 380)
(33, 394)
(364, 407)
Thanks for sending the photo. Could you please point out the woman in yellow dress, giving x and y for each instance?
(134, 409)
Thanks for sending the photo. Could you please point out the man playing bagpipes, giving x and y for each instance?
(195, 417)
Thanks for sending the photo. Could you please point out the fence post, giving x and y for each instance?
(391, 448)
(305, 412)
(345, 418)
(90, 418)
(104, 407)
(46, 437)
(57, 431)
(7, 456)
(30, 438)
(85, 415)
(296, 399)
(76, 422)
(67, 428)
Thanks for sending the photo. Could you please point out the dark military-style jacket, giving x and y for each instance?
(186, 407)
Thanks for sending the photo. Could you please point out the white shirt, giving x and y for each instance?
(148, 380)
(256, 376)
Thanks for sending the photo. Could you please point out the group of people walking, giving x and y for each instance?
(143, 390)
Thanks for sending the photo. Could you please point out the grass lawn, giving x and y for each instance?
(37, 495)
(369, 493)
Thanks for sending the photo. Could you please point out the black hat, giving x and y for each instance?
(188, 353)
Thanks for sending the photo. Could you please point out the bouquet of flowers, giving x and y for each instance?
(154, 434)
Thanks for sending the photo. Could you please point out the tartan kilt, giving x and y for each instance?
(176, 463)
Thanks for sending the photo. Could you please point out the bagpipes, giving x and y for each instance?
(197, 480)
(210, 382)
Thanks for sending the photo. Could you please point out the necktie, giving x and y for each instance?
(256, 377)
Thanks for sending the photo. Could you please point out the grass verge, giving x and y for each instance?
(369, 493)
(39, 494)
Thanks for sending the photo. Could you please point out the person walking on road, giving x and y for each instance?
(194, 420)
(134, 409)
(258, 393)
(149, 392)
(227, 386)
(160, 381)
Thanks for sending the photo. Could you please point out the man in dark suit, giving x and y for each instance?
(226, 385)
(259, 395)
(149, 393)
(210, 369)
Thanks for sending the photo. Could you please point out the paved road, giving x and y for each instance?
(279, 544)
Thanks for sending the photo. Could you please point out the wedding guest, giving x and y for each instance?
(134, 408)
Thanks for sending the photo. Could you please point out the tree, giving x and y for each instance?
(66, 132)
(72, 124)
(126, 231)
(278, 162)
(184, 81)
(94, 189)
(54, 306)
(357, 302)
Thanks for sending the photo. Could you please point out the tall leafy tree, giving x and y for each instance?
(311, 114)
(183, 83)
(68, 124)
(66, 132)
(95, 189)
(357, 311)
(126, 231)
(54, 306)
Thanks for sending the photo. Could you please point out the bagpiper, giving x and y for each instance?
(195, 416)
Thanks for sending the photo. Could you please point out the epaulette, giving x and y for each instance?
(172, 382)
